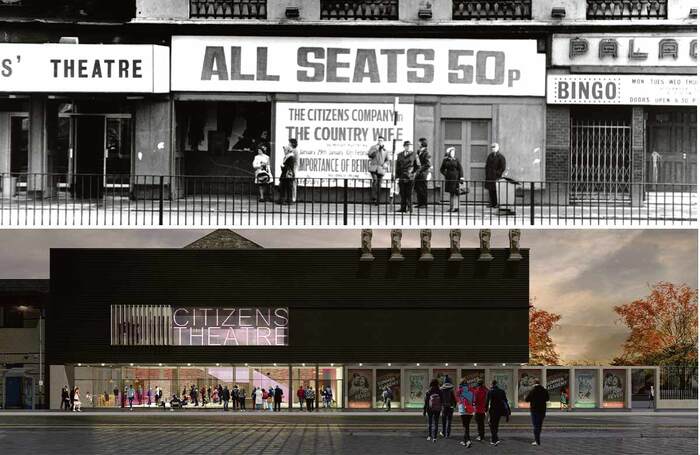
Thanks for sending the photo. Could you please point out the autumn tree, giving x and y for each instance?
(542, 348)
(663, 327)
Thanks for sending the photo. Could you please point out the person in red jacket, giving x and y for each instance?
(465, 407)
(301, 396)
(480, 392)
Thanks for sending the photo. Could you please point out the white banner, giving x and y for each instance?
(333, 139)
(84, 68)
(641, 49)
(622, 89)
(357, 65)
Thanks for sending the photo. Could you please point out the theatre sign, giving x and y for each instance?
(100, 68)
(357, 65)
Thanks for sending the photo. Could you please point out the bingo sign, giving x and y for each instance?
(334, 138)
(243, 326)
(622, 89)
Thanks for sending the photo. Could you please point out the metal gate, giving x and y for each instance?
(601, 160)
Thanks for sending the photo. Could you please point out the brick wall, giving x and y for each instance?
(557, 145)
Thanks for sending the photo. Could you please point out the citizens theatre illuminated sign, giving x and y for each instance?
(153, 325)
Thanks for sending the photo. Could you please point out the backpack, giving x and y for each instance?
(435, 403)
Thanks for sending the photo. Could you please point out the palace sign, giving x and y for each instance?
(357, 65)
(84, 68)
(643, 50)
(622, 89)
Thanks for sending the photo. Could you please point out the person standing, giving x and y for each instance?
(130, 396)
(262, 175)
(220, 391)
(65, 398)
(497, 406)
(405, 171)
(116, 396)
(432, 407)
(310, 396)
(423, 173)
(451, 170)
(288, 174)
(495, 166)
(651, 396)
(149, 395)
(241, 399)
(76, 400)
(225, 397)
(538, 398)
(278, 394)
(378, 167)
(295, 152)
(235, 397)
(301, 395)
(465, 408)
(329, 396)
(387, 395)
(447, 397)
(564, 398)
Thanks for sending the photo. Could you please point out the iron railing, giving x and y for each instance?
(360, 9)
(491, 9)
(678, 383)
(228, 9)
(626, 9)
(177, 200)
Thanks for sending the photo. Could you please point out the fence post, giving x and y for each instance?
(532, 203)
(160, 200)
(345, 202)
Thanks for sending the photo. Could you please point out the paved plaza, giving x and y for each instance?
(338, 433)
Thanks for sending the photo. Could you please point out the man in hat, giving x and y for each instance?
(378, 166)
(422, 174)
(407, 164)
(495, 166)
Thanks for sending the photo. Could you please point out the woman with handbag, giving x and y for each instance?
(289, 165)
(451, 169)
(263, 176)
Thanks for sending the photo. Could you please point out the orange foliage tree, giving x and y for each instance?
(542, 348)
(663, 327)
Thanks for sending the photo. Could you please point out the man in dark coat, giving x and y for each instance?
(422, 174)
(378, 166)
(407, 164)
(495, 166)
(225, 397)
(278, 398)
(497, 406)
(538, 398)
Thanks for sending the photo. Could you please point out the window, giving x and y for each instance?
(625, 9)
(360, 9)
(491, 9)
(228, 9)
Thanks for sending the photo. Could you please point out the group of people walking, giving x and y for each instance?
(70, 399)
(476, 402)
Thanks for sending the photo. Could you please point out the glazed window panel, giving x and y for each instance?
(360, 10)
(228, 9)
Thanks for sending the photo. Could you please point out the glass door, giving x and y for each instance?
(19, 152)
(117, 155)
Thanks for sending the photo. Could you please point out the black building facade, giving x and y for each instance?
(288, 317)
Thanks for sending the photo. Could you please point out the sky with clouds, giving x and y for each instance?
(580, 274)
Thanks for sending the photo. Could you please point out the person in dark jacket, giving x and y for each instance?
(423, 173)
(225, 397)
(432, 408)
(405, 171)
(288, 174)
(449, 401)
(451, 170)
(495, 166)
(497, 406)
(538, 398)
(378, 166)
(278, 398)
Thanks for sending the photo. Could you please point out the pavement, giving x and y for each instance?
(335, 433)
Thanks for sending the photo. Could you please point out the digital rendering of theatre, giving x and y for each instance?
(356, 320)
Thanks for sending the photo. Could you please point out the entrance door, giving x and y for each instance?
(671, 155)
(89, 156)
(117, 165)
(19, 153)
(471, 139)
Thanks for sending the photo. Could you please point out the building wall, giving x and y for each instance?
(557, 150)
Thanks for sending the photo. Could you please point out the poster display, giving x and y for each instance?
(103, 68)
(473, 376)
(614, 388)
(586, 390)
(388, 378)
(526, 381)
(359, 388)
(624, 89)
(504, 379)
(441, 373)
(558, 387)
(505, 67)
(333, 139)
(417, 382)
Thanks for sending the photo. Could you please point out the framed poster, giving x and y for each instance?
(388, 378)
(558, 388)
(504, 379)
(417, 385)
(526, 381)
(441, 373)
(473, 376)
(586, 390)
(614, 388)
(359, 388)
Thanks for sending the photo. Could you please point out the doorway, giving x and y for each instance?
(471, 139)
(671, 151)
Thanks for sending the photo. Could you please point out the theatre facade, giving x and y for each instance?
(351, 320)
